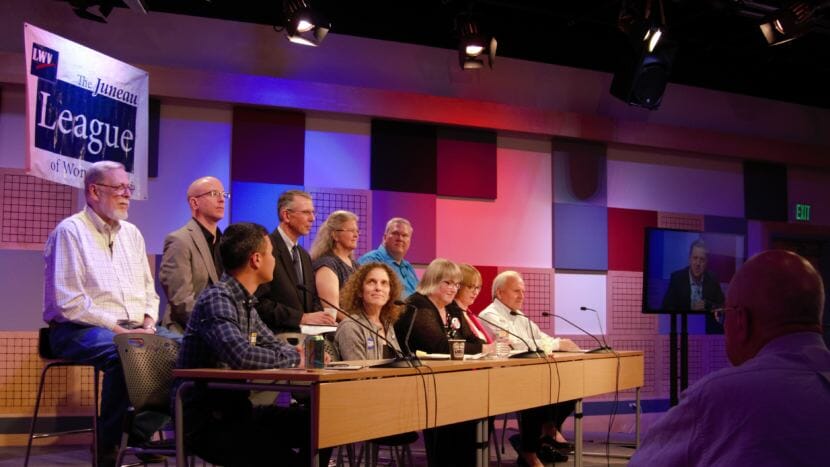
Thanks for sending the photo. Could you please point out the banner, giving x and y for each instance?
(82, 107)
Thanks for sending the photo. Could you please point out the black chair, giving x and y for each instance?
(52, 361)
(148, 362)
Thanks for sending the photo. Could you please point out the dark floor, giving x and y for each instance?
(76, 456)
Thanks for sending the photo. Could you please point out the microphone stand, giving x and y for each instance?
(528, 354)
(529, 329)
(601, 349)
(599, 323)
(400, 360)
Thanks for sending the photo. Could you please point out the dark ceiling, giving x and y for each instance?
(719, 43)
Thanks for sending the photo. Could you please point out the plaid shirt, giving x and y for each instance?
(220, 331)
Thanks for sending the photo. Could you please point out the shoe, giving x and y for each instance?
(562, 446)
(549, 454)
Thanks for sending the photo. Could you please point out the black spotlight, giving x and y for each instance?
(644, 73)
(303, 24)
(473, 46)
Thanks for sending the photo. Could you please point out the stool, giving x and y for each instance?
(45, 352)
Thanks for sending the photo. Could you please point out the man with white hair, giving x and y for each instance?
(97, 283)
(772, 406)
(396, 241)
(541, 439)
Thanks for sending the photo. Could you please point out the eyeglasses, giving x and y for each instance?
(354, 231)
(308, 212)
(215, 194)
(720, 313)
(451, 284)
(477, 288)
(119, 189)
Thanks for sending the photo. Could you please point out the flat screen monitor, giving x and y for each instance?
(688, 271)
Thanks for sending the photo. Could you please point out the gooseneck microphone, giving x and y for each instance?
(400, 360)
(529, 330)
(601, 348)
(599, 323)
(528, 354)
(409, 352)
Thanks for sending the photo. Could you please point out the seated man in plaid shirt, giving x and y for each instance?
(225, 331)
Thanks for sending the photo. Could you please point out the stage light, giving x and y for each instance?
(787, 23)
(303, 24)
(644, 73)
(473, 46)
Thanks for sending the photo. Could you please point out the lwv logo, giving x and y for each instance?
(44, 62)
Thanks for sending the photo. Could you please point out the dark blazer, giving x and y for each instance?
(428, 333)
(679, 294)
(281, 303)
(187, 268)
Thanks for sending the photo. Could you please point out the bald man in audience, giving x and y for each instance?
(191, 259)
(773, 406)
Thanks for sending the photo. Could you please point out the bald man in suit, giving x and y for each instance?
(191, 260)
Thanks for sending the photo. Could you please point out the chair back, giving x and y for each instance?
(148, 362)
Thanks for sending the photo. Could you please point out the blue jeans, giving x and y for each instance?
(90, 344)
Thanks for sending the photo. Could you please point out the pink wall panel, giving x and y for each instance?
(516, 228)
(662, 182)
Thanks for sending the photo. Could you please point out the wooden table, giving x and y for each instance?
(359, 405)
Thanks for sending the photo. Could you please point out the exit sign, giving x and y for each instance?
(802, 212)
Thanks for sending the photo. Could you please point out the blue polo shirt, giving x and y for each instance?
(404, 269)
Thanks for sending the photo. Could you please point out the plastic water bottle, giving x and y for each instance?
(502, 344)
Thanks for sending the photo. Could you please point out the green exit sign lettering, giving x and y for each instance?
(802, 212)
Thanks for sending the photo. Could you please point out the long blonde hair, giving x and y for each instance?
(324, 241)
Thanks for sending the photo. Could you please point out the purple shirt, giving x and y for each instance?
(773, 410)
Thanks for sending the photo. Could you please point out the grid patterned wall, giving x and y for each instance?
(538, 294)
(673, 220)
(32, 207)
(67, 391)
(328, 200)
(625, 302)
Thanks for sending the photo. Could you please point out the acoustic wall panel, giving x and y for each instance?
(734, 225)
(12, 126)
(579, 172)
(576, 291)
(638, 179)
(328, 200)
(625, 305)
(337, 151)
(516, 227)
(21, 286)
(466, 163)
(194, 141)
(673, 220)
(580, 237)
(485, 297)
(403, 157)
(257, 202)
(539, 295)
(419, 209)
(268, 146)
(765, 191)
(31, 208)
(626, 237)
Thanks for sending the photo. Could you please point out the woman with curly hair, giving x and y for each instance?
(369, 296)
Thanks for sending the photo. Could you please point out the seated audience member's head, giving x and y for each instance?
(441, 281)
(698, 258)
(245, 247)
(108, 190)
(296, 212)
(397, 237)
(373, 285)
(775, 292)
(206, 197)
(509, 288)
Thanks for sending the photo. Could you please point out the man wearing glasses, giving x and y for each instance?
(283, 305)
(191, 259)
(396, 240)
(97, 283)
(772, 406)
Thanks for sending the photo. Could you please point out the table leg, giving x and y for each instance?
(482, 443)
(578, 434)
(181, 458)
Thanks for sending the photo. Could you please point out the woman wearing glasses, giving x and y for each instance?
(434, 324)
(332, 255)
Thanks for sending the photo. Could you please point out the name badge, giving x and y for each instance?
(370, 343)
(252, 338)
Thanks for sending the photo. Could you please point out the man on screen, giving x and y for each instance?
(693, 288)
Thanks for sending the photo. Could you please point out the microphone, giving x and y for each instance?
(529, 329)
(599, 323)
(409, 330)
(400, 360)
(528, 354)
(601, 348)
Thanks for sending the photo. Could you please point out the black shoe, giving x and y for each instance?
(566, 446)
(549, 454)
